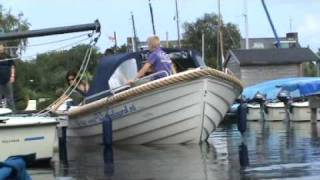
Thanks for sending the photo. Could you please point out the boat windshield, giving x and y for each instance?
(125, 71)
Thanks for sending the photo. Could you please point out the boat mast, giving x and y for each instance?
(178, 28)
(218, 37)
(51, 31)
(152, 21)
(246, 24)
(134, 44)
(202, 46)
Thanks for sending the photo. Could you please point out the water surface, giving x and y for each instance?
(266, 151)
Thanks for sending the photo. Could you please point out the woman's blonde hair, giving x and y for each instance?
(153, 42)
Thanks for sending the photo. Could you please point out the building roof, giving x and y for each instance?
(273, 56)
(260, 43)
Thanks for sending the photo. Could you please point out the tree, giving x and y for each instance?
(12, 23)
(208, 25)
(44, 76)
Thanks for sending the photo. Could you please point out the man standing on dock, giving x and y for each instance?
(7, 78)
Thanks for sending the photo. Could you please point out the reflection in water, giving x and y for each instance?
(243, 155)
(108, 161)
(280, 151)
(267, 150)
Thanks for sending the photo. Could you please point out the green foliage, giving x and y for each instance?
(309, 69)
(123, 48)
(45, 75)
(208, 25)
(9, 23)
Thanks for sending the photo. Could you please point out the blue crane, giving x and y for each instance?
(271, 24)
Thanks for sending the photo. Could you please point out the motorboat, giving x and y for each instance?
(253, 112)
(297, 107)
(181, 108)
(300, 111)
(4, 111)
(274, 111)
(22, 135)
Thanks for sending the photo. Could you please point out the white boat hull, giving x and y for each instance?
(300, 111)
(275, 112)
(182, 113)
(253, 113)
(27, 135)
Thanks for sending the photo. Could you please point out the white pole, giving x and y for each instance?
(167, 39)
(133, 44)
(178, 28)
(202, 49)
(218, 36)
(246, 23)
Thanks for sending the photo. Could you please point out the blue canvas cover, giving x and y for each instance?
(14, 168)
(305, 88)
(299, 86)
(106, 67)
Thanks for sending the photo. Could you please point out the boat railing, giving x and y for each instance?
(107, 92)
(150, 77)
(137, 82)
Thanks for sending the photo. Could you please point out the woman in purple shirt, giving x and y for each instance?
(157, 61)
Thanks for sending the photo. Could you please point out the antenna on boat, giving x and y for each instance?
(177, 20)
(134, 41)
(152, 21)
(51, 31)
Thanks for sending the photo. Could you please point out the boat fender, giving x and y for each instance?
(242, 120)
(14, 168)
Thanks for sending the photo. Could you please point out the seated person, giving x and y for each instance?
(80, 91)
(157, 61)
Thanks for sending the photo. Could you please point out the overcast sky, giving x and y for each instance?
(114, 15)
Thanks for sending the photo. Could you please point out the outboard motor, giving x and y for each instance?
(261, 99)
(284, 96)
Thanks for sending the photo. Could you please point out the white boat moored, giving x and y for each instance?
(275, 111)
(254, 112)
(21, 135)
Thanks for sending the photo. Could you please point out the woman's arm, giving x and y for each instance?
(144, 70)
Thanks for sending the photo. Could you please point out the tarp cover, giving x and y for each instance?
(14, 168)
(299, 86)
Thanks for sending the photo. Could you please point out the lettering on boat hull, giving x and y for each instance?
(98, 117)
